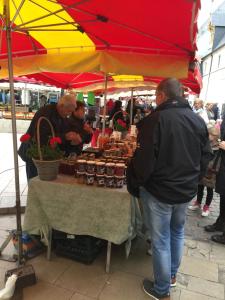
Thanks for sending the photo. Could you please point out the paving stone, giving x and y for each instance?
(190, 244)
(77, 296)
(87, 280)
(123, 286)
(199, 268)
(207, 288)
(9, 201)
(188, 295)
(175, 293)
(182, 280)
(45, 291)
(185, 250)
(202, 251)
(218, 254)
(222, 274)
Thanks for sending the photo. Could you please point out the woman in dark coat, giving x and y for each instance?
(117, 113)
(77, 125)
(219, 225)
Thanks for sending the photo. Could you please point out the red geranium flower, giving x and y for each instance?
(24, 138)
(121, 123)
(54, 141)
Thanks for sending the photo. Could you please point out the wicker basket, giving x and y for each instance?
(47, 170)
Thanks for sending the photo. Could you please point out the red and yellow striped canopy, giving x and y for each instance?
(145, 37)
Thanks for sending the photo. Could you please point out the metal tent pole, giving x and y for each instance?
(131, 106)
(14, 130)
(105, 100)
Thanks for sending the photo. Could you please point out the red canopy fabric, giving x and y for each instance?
(160, 26)
(76, 81)
(150, 38)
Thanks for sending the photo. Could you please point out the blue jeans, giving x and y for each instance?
(166, 224)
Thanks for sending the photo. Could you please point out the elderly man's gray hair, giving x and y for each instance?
(68, 100)
(171, 87)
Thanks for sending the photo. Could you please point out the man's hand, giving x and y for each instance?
(222, 145)
(74, 137)
(88, 128)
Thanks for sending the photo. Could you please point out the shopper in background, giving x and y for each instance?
(219, 225)
(214, 134)
(109, 106)
(209, 111)
(199, 109)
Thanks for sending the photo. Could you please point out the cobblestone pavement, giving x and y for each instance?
(195, 222)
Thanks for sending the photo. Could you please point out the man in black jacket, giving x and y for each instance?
(57, 114)
(172, 155)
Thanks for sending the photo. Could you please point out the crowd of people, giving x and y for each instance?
(178, 147)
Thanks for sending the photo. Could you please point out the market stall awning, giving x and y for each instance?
(95, 81)
(122, 37)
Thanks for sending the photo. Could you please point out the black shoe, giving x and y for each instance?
(218, 238)
(217, 226)
(148, 288)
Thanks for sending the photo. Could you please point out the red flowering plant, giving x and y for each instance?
(121, 124)
(51, 151)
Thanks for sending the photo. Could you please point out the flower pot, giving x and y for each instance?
(47, 170)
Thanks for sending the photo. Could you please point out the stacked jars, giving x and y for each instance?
(105, 173)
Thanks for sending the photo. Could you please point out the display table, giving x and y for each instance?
(65, 205)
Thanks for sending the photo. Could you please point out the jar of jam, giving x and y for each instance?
(90, 179)
(119, 181)
(100, 180)
(81, 165)
(110, 169)
(120, 169)
(100, 168)
(109, 181)
(90, 167)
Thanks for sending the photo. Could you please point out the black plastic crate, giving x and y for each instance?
(26, 276)
(82, 248)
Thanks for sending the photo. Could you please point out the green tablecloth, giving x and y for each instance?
(65, 205)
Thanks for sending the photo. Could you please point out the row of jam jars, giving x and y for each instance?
(115, 169)
(110, 181)
(101, 180)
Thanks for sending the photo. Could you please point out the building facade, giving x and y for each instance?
(211, 43)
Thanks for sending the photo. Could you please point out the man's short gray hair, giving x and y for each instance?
(68, 100)
(171, 87)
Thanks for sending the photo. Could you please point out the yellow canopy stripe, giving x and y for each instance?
(105, 61)
(53, 41)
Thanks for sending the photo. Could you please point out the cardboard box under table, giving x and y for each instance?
(65, 205)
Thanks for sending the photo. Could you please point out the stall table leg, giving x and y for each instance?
(49, 245)
(108, 258)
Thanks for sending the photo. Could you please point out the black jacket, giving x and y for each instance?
(77, 125)
(173, 152)
(220, 179)
(59, 124)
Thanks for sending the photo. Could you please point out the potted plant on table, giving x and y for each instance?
(45, 157)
